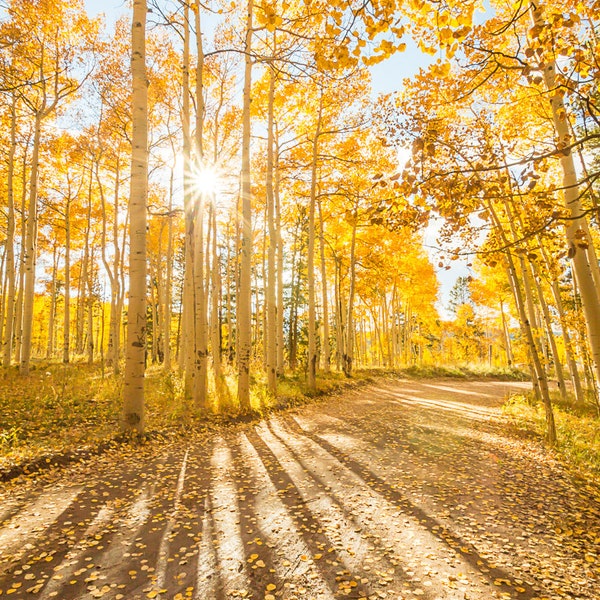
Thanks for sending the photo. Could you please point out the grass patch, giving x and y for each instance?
(472, 371)
(59, 408)
(577, 428)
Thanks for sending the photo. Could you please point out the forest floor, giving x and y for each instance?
(400, 489)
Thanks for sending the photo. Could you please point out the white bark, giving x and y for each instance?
(271, 313)
(30, 250)
(10, 241)
(310, 262)
(577, 227)
(133, 392)
(244, 322)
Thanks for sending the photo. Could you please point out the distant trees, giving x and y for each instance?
(516, 199)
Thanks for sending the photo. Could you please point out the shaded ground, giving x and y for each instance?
(406, 489)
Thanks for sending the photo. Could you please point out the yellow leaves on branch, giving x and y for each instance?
(441, 69)
(268, 18)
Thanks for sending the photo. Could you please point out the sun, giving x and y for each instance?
(205, 179)
(403, 155)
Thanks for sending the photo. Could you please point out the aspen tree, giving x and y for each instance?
(271, 295)
(10, 240)
(198, 256)
(576, 227)
(168, 288)
(550, 333)
(310, 262)
(66, 345)
(280, 266)
(51, 50)
(244, 299)
(186, 356)
(568, 343)
(348, 356)
(324, 287)
(133, 391)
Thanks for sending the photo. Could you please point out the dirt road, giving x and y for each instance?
(401, 490)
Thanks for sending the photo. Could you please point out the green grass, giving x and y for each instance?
(577, 428)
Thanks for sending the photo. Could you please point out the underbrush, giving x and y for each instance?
(577, 428)
(470, 371)
(58, 408)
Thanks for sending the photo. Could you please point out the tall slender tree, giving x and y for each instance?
(135, 349)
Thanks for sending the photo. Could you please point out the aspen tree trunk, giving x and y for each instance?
(82, 283)
(271, 329)
(18, 327)
(52, 315)
(280, 300)
(310, 263)
(386, 332)
(505, 332)
(188, 337)
(100, 335)
(122, 285)
(83, 276)
(261, 307)
(531, 323)
(30, 251)
(168, 291)
(393, 327)
(215, 314)
(550, 334)
(229, 285)
(201, 325)
(3, 299)
(10, 241)
(292, 336)
(237, 267)
(339, 316)
(90, 311)
(116, 314)
(151, 310)
(158, 308)
(133, 392)
(349, 349)
(577, 238)
(85, 284)
(591, 250)
(590, 382)
(530, 303)
(79, 312)
(66, 354)
(540, 379)
(201, 338)
(112, 276)
(407, 337)
(244, 300)
(572, 364)
(326, 333)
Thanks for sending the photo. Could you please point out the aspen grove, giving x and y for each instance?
(215, 192)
